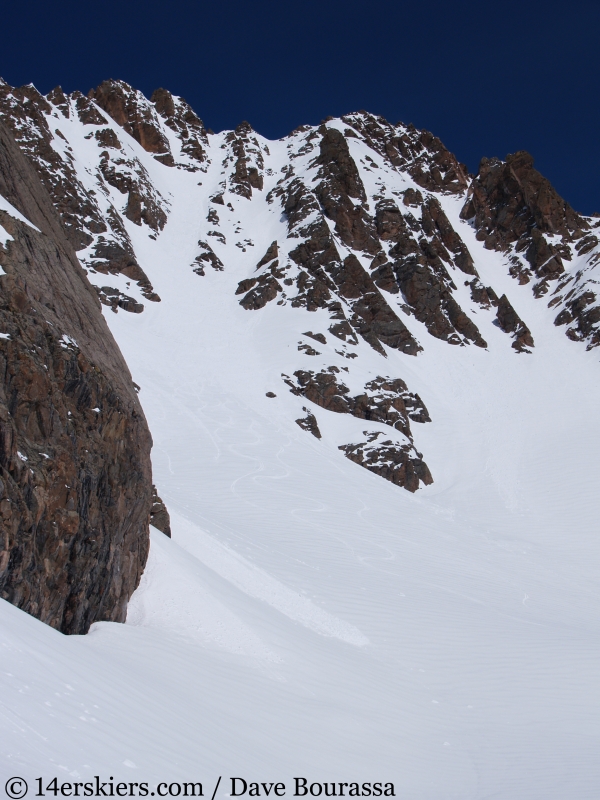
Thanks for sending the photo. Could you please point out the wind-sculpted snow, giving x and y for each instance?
(254, 582)
(309, 614)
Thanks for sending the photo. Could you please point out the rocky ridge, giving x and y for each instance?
(517, 212)
(374, 227)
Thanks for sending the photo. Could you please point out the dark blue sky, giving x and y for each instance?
(487, 78)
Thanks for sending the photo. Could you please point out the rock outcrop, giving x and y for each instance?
(517, 211)
(384, 400)
(309, 423)
(413, 248)
(247, 160)
(159, 515)
(510, 322)
(130, 109)
(75, 473)
(408, 257)
(511, 202)
(91, 223)
(190, 129)
(421, 154)
(400, 464)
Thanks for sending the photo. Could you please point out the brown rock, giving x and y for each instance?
(133, 113)
(436, 225)
(418, 152)
(248, 161)
(429, 297)
(208, 256)
(270, 255)
(309, 423)
(58, 99)
(385, 400)
(401, 465)
(385, 279)
(343, 330)
(108, 138)
(180, 117)
(482, 295)
(245, 285)
(511, 203)
(144, 204)
(372, 317)
(86, 111)
(412, 197)
(341, 182)
(389, 221)
(74, 444)
(24, 111)
(510, 322)
(266, 290)
(580, 308)
(308, 350)
(159, 516)
(316, 336)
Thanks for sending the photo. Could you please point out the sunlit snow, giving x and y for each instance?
(308, 617)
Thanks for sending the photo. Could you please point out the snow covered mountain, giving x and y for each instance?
(317, 324)
(376, 226)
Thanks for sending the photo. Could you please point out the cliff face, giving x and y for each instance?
(75, 474)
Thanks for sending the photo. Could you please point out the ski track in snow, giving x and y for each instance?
(309, 618)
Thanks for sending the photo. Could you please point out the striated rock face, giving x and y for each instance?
(408, 256)
(338, 190)
(25, 112)
(413, 249)
(75, 473)
(417, 263)
(322, 271)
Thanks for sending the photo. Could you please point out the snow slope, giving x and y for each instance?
(309, 618)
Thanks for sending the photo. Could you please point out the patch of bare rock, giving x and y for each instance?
(386, 401)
